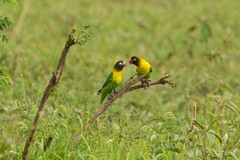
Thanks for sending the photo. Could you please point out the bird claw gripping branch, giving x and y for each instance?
(146, 83)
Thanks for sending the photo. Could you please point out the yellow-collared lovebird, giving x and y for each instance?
(113, 80)
(143, 67)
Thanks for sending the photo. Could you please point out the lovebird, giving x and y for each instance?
(112, 81)
(143, 67)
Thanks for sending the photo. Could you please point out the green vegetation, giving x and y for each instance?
(197, 42)
(5, 23)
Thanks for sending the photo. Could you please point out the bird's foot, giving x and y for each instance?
(146, 83)
(114, 92)
(111, 95)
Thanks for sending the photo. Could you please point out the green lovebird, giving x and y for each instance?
(143, 67)
(113, 80)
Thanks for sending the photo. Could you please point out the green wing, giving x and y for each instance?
(108, 80)
(108, 89)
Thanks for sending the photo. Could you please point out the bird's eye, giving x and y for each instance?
(120, 63)
(134, 59)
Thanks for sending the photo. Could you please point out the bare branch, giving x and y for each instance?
(162, 81)
(53, 81)
(128, 87)
(76, 36)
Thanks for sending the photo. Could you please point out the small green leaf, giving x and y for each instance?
(232, 107)
(81, 35)
(140, 158)
(210, 126)
(5, 23)
(9, 1)
(5, 80)
(215, 134)
(205, 31)
(3, 38)
(192, 28)
(215, 153)
(232, 155)
(198, 124)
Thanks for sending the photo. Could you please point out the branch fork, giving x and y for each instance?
(127, 87)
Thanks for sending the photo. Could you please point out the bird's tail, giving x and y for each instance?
(99, 92)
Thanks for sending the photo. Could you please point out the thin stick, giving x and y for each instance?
(194, 115)
(124, 89)
(52, 82)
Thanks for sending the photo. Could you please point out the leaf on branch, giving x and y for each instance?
(5, 23)
(5, 80)
(81, 35)
(9, 1)
(3, 38)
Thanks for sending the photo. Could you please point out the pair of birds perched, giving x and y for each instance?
(115, 77)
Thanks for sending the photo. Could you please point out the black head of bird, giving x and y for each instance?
(134, 60)
(119, 65)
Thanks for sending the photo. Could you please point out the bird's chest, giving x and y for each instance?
(143, 69)
(117, 77)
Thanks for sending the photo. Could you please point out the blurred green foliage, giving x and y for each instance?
(5, 23)
(196, 42)
(5, 80)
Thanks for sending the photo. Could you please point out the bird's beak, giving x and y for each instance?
(124, 64)
(130, 61)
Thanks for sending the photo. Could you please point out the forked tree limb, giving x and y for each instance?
(128, 87)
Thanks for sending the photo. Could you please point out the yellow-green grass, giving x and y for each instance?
(197, 42)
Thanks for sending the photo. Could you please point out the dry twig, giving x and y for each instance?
(194, 114)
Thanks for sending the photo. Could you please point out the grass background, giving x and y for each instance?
(197, 42)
